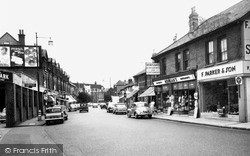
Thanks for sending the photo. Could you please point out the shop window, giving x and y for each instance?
(186, 59)
(222, 53)
(178, 62)
(210, 52)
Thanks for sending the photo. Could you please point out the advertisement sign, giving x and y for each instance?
(152, 69)
(4, 56)
(175, 79)
(31, 57)
(17, 56)
(247, 39)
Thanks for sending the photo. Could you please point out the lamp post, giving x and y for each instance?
(50, 42)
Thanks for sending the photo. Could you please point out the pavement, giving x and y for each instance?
(203, 121)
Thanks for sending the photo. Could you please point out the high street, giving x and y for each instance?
(102, 133)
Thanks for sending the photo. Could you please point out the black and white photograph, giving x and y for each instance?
(125, 78)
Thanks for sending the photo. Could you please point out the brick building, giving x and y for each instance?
(207, 60)
(27, 73)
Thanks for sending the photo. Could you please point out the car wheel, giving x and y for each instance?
(149, 116)
(47, 122)
(128, 115)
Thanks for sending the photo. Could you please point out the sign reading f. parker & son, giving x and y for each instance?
(220, 71)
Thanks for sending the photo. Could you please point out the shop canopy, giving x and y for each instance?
(149, 92)
(70, 98)
(132, 93)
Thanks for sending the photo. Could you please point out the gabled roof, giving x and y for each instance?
(140, 73)
(121, 83)
(8, 38)
(224, 18)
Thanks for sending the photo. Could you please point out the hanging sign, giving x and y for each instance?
(238, 80)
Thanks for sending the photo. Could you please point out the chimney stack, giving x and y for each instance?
(21, 37)
(193, 20)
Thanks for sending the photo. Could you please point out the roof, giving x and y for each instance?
(224, 18)
(140, 73)
(121, 83)
(9, 38)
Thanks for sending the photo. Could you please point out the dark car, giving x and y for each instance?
(83, 107)
(103, 105)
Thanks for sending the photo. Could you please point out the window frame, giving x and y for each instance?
(177, 62)
(186, 58)
(222, 49)
(210, 53)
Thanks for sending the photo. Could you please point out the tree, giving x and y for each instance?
(84, 97)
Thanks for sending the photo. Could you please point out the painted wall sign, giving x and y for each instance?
(247, 39)
(220, 71)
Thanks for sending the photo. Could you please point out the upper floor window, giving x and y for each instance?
(178, 62)
(185, 59)
(164, 66)
(222, 50)
(210, 52)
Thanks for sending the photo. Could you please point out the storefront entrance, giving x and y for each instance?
(221, 94)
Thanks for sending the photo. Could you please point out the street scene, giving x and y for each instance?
(125, 78)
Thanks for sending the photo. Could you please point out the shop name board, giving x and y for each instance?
(5, 76)
(220, 71)
(175, 79)
(152, 68)
(247, 39)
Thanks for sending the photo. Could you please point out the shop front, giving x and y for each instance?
(176, 92)
(224, 92)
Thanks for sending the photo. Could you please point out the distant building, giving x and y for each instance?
(95, 90)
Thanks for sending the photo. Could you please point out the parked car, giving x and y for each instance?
(83, 107)
(95, 105)
(55, 113)
(120, 108)
(139, 109)
(72, 107)
(103, 105)
(3, 115)
(110, 107)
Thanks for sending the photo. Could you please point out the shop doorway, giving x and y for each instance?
(219, 94)
(2, 103)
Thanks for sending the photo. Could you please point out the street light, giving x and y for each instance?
(50, 42)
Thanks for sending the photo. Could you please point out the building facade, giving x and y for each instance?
(30, 76)
(212, 59)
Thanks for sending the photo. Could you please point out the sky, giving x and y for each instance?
(103, 41)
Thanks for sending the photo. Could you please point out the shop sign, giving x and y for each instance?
(247, 39)
(152, 68)
(6, 76)
(220, 71)
(161, 82)
(175, 79)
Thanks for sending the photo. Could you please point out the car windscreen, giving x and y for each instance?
(142, 105)
(120, 105)
(53, 110)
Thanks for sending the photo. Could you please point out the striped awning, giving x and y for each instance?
(149, 92)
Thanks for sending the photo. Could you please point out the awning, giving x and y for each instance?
(70, 98)
(148, 92)
(132, 93)
(51, 98)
